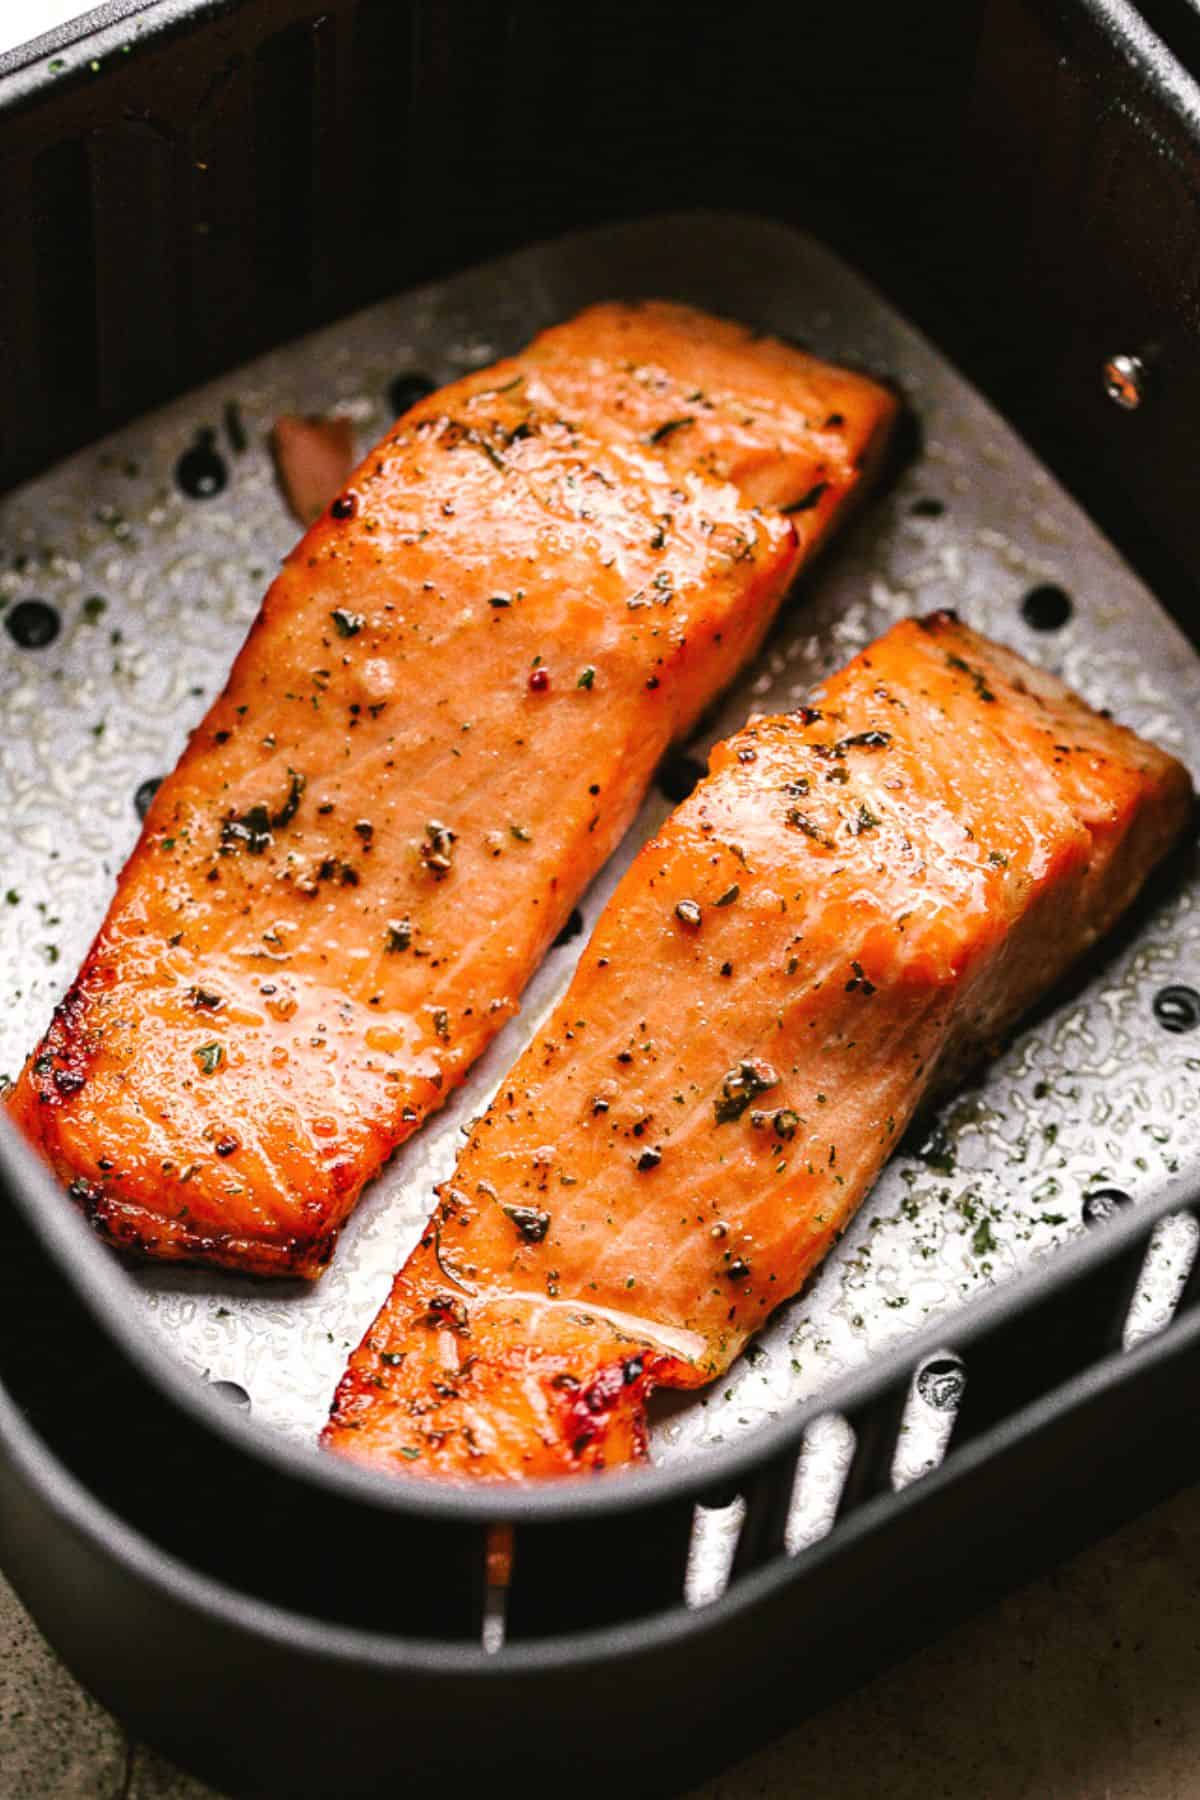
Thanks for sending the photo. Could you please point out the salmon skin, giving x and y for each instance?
(861, 897)
(440, 725)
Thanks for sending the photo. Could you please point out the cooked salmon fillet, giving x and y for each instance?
(440, 725)
(859, 899)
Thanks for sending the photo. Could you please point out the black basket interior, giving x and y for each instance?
(202, 179)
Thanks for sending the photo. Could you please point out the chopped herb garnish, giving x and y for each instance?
(349, 624)
(740, 1086)
(587, 677)
(489, 450)
(531, 1223)
(287, 811)
(210, 1057)
(729, 896)
(859, 983)
(807, 501)
(437, 848)
(864, 740)
(981, 686)
(982, 1241)
(669, 426)
(252, 829)
(866, 820)
(399, 934)
(803, 823)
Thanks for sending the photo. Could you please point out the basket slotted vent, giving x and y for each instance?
(872, 1449)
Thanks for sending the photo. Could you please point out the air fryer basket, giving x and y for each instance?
(224, 1588)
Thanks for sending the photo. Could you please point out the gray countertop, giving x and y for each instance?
(1083, 1686)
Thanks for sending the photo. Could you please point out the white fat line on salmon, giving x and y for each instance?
(686, 1344)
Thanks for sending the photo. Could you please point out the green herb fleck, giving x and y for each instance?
(669, 426)
(982, 1242)
(803, 823)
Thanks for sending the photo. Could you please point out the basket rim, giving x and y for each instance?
(106, 1290)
